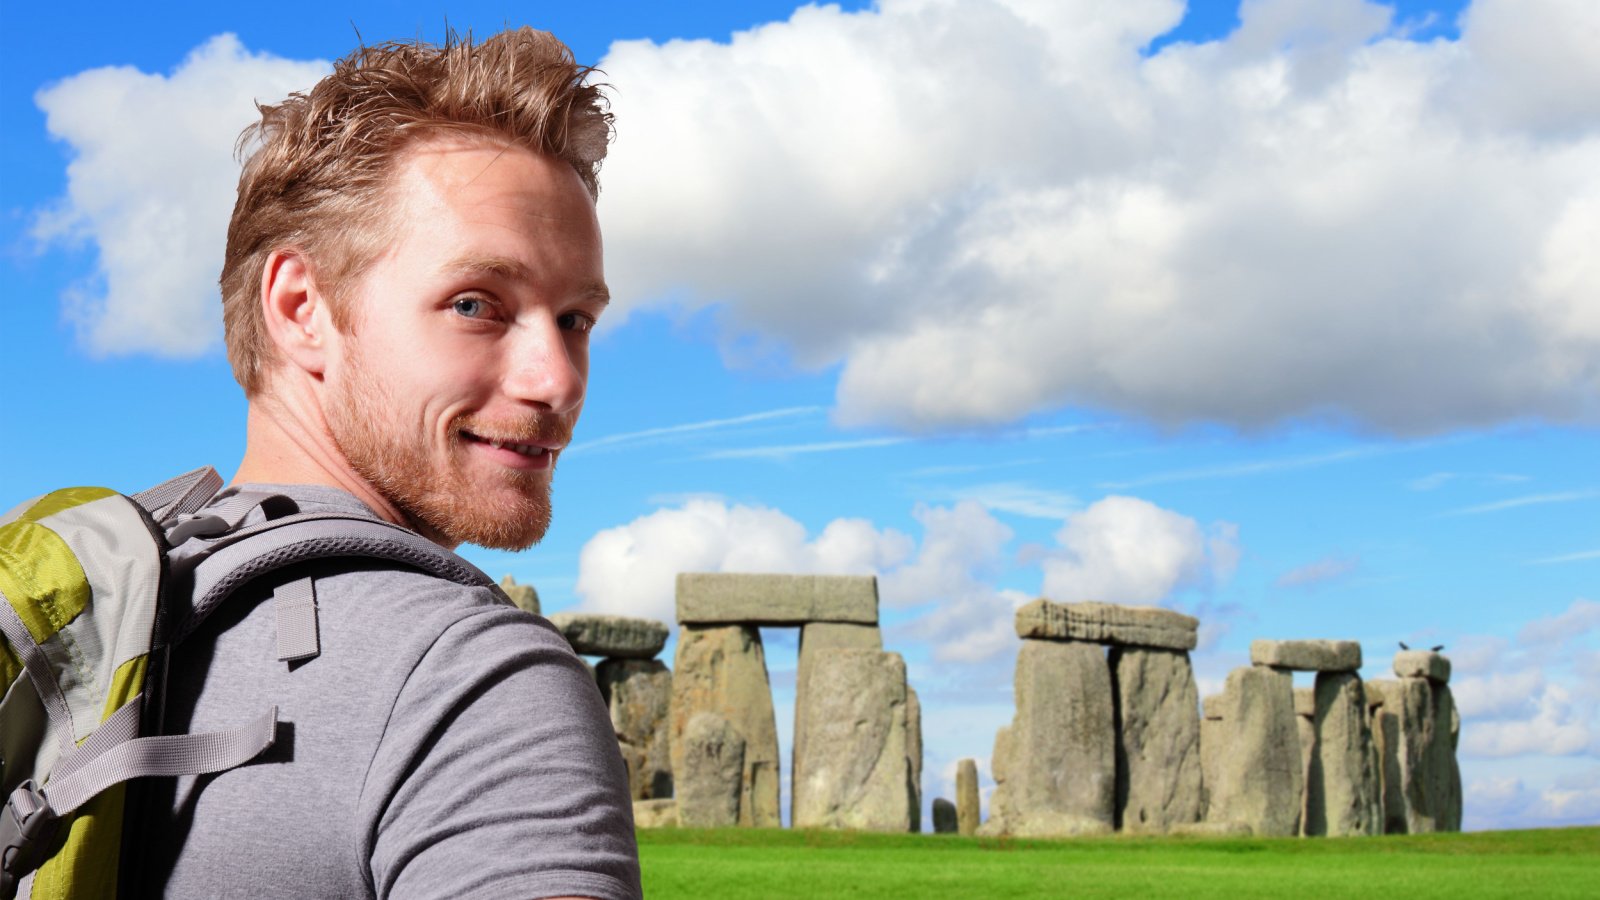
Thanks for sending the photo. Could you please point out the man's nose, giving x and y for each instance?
(545, 371)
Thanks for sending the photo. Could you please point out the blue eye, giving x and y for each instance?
(469, 307)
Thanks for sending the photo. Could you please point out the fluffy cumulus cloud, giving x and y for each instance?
(1128, 550)
(151, 184)
(982, 208)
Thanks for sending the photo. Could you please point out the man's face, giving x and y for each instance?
(464, 367)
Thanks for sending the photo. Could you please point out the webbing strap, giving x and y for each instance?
(122, 726)
(296, 605)
(165, 754)
(37, 666)
(183, 494)
(223, 517)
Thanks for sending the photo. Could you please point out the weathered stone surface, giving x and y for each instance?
(710, 779)
(1213, 749)
(617, 637)
(1422, 664)
(523, 595)
(1305, 702)
(1158, 739)
(1107, 623)
(655, 813)
(816, 637)
(1211, 707)
(1306, 728)
(1378, 691)
(944, 816)
(1429, 774)
(914, 754)
(723, 669)
(1258, 774)
(1343, 796)
(1055, 766)
(967, 811)
(1307, 656)
(711, 598)
(638, 693)
(855, 772)
(1384, 722)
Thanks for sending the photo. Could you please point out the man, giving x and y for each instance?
(413, 268)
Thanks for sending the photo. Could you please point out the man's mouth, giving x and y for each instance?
(532, 451)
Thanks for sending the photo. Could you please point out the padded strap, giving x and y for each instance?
(296, 604)
(178, 496)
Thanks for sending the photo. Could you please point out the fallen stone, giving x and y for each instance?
(914, 754)
(617, 637)
(1259, 778)
(638, 692)
(655, 813)
(723, 669)
(716, 598)
(1307, 656)
(816, 637)
(1422, 664)
(710, 778)
(1107, 623)
(944, 816)
(1158, 739)
(1343, 796)
(1055, 766)
(523, 595)
(967, 811)
(855, 773)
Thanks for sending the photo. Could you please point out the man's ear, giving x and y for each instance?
(297, 317)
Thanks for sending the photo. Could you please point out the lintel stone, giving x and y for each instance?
(1107, 623)
(713, 598)
(618, 637)
(1307, 656)
(1422, 664)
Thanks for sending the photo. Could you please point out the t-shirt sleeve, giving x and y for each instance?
(498, 774)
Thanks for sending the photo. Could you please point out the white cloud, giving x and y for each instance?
(151, 184)
(1558, 727)
(1010, 209)
(1498, 694)
(1577, 620)
(1127, 550)
(1321, 571)
(632, 569)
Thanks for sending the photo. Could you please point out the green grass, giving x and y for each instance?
(733, 863)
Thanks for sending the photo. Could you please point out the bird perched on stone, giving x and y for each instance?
(1438, 648)
(1403, 646)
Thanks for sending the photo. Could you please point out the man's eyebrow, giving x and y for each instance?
(513, 270)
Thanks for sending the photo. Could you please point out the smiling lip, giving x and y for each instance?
(516, 454)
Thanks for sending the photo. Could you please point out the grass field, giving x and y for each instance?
(714, 864)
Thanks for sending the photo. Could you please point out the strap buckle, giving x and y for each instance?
(27, 823)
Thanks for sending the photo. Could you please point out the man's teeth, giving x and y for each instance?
(524, 449)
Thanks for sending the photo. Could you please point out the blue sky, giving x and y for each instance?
(1284, 315)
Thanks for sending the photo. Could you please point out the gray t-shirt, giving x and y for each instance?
(443, 744)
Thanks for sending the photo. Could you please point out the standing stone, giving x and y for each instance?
(914, 754)
(523, 595)
(816, 637)
(619, 637)
(1385, 725)
(1259, 779)
(1055, 768)
(710, 779)
(855, 772)
(1213, 749)
(1305, 711)
(723, 669)
(1430, 776)
(638, 693)
(1342, 795)
(967, 811)
(1158, 739)
(718, 598)
(944, 816)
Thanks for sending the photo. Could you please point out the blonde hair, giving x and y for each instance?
(316, 181)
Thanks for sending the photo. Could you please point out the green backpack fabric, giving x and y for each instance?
(95, 587)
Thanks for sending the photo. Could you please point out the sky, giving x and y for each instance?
(1282, 313)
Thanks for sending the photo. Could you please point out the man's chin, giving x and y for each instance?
(517, 528)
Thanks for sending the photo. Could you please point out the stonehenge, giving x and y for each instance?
(1089, 749)
(857, 759)
(967, 811)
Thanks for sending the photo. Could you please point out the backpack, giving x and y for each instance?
(95, 589)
